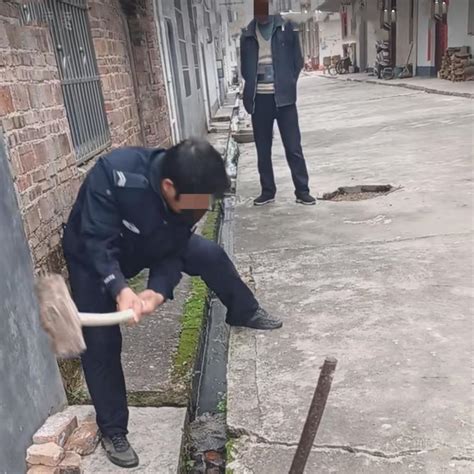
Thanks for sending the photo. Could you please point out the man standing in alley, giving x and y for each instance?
(271, 61)
(136, 209)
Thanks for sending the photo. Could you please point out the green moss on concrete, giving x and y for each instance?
(194, 313)
(191, 325)
(139, 283)
(73, 381)
(209, 230)
(173, 397)
(222, 405)
(229, 455)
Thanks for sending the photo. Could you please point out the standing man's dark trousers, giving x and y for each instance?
(102, 360)
(263, 119)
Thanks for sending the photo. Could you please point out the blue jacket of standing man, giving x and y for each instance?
(287, 62)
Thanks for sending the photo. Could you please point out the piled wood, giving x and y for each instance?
(457, 65)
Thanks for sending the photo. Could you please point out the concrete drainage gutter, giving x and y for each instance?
(206, 430)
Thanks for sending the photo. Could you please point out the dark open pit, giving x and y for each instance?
(358, 193)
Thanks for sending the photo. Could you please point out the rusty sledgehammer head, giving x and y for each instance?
(59, 316)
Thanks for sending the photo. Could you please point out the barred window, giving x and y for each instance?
(69, 26)
(207, 23)
(183, 47)
(192, 26)
(470, 24)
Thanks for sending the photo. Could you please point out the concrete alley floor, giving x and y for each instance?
(425, 84)
(384, 285)
(155, 434)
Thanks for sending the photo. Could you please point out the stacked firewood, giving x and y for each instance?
(457, 65)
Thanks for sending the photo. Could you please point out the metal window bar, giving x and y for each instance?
(192, 26)
(183, 47)
(80, 80)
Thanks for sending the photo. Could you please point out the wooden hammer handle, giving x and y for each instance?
(106, 319)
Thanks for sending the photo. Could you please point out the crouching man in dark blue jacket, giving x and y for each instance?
(137, 209)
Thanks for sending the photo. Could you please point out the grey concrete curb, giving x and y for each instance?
(414, 87)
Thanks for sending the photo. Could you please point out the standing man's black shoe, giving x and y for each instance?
(260, 320)
(119, 451)
(306, 199)
(262, 200)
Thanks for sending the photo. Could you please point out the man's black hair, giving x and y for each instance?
(195, 167)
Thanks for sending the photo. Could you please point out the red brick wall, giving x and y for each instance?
(127, 112)
(151, 87)
(106, 21)
(34, 120)
(36, 132)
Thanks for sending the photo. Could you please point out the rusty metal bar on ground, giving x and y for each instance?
(315, 414)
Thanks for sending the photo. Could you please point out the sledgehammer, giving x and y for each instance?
(62, 321)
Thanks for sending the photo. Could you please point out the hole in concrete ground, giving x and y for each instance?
(359, 193)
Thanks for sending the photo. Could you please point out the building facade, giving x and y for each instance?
(419, 31)
(199, 56)
(76, 80)
(303, 14)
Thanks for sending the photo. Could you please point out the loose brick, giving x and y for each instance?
(7, 124)
(71, 464)
(27, 160)
(23, 183)
(46, 185)
(32, 218)
(15, 163)
(46, 208)
(14, 35)
(42, 40)
(43, 470)
(48, 454)
(19, 121)
(12, 140)
(6, 101)
(39, 175)
(21, 99)
(35, 192)
(3, 36)
(40, 253)
(85, 439)
(42, 152)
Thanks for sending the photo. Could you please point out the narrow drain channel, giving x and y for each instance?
(206, 435)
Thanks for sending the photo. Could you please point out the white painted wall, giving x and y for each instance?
(374, 32)
(403, 33)
(330, 37)
(230, 50)
(209, 60)
(457, 24)
(193, 117)
(425, 31)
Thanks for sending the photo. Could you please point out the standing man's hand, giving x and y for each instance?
(151, 300)
(128, 299)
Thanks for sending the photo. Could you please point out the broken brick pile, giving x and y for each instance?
(58, 446)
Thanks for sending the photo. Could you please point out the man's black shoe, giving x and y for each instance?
(263, 199)
(119, 451)
(260, 320)
(306, 199)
